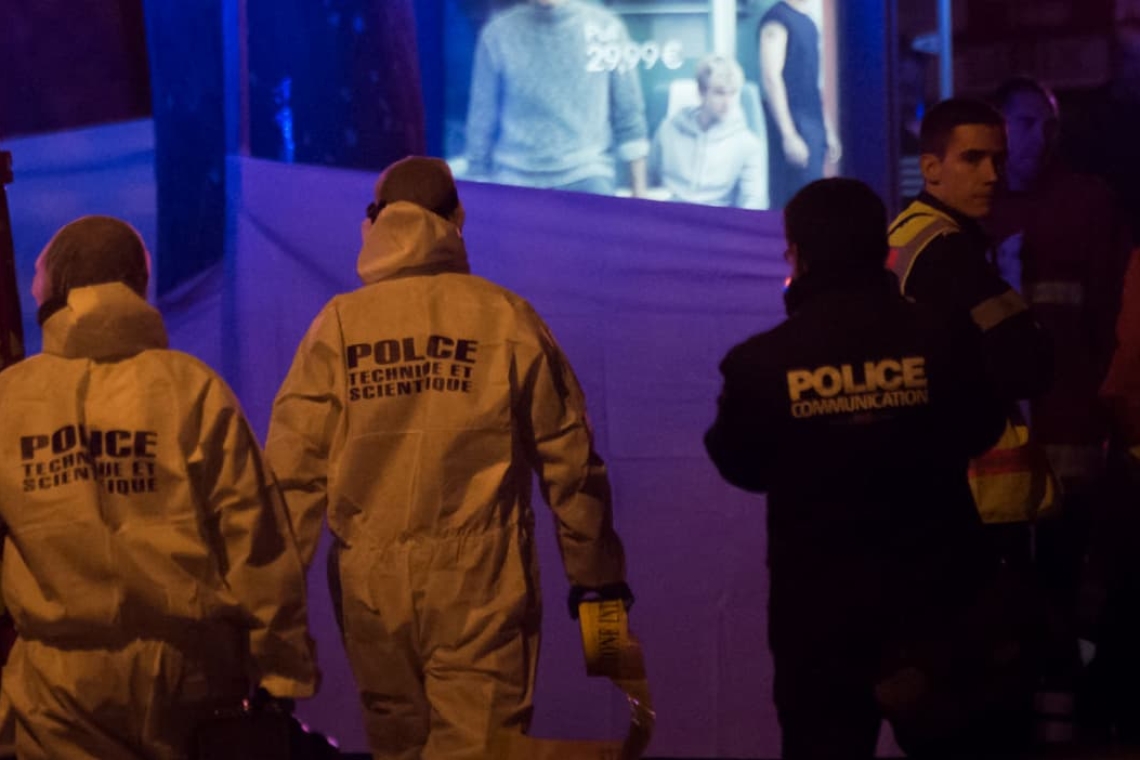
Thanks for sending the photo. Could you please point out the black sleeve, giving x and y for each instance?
(952, 276)
(971, 414)
(742, 440)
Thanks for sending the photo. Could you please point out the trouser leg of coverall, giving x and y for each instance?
(378, 630)
(442, 642)
(141, 701)
(482, 632)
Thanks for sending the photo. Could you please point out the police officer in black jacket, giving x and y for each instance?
(857, 416)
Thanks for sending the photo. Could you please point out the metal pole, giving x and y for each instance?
(945, 50)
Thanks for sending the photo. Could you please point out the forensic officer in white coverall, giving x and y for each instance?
(415, 412)
(148, 562)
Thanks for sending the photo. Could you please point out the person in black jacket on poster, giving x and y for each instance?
(857, 416)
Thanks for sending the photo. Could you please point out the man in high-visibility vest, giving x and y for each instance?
(940, 254)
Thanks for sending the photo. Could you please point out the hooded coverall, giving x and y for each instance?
(415, 411)
(148, 562)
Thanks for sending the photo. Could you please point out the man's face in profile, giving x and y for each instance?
(966, 176)
(718, 98)
(1032, 124)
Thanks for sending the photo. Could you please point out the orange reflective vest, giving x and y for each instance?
(1012, 482)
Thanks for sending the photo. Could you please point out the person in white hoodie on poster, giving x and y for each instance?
(148, 562)
(706, 153)
(417, 409)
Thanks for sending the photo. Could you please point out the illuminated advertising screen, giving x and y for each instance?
(723, 102)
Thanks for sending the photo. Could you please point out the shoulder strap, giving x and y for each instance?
(916, 228)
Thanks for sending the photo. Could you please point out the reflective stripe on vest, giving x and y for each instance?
(991, 312)
(1054, 716)
(909, 236)
(1055, 293)
(1011, 482)
(999, 461)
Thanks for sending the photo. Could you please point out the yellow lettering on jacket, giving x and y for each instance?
(847, 379)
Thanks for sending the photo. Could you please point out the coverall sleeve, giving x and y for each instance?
(742, 439)
(971, 416)
(260, 562)
(306, 415)
(483, 110)
(559, 445)
(953, 278)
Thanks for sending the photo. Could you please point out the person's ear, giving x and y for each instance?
(931, 167)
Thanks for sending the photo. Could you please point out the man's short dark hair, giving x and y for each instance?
(837, 224)
(941, 120)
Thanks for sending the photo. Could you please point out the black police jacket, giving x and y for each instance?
(857, 415)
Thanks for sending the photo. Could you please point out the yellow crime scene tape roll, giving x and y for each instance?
(611, 652)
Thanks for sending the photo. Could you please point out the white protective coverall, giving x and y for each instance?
(415, 411)
(148, 561)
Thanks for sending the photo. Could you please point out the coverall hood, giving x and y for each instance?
(103, 321)
(407, 239)
(90, 251)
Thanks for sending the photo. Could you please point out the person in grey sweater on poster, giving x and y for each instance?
(554, 102)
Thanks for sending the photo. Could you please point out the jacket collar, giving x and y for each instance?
(965, 223)
(408, 240)
(878, 283)
(103, 322)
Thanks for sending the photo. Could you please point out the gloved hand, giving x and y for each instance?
(579, 594)
(263, 701)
